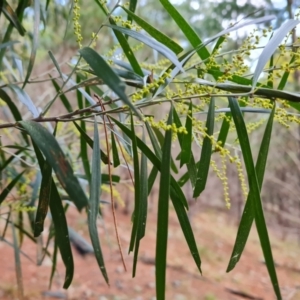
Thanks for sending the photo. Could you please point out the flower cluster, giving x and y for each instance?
(77, 26)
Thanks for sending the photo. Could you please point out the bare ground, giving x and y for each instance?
(215, 234)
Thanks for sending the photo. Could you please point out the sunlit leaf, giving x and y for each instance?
(271, 47)
(153, 44)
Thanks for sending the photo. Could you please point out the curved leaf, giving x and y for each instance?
(153, 44)
(60, 223)
(56, 158)
(271, 47)
(105, 72)
(25, 99)
(13, 18)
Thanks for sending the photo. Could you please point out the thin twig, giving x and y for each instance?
(118, 141)
(111, 191)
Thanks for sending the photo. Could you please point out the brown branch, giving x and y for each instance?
(111, 190)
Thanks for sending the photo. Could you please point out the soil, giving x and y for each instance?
(215, 233)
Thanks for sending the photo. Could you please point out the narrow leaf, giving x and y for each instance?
(7, 161)
(248, 213)
(56, 158)
(25, 99)
(90, 142)
(255, 193)
(8, 44)
(163, 215)
(5, 192)
(191, 165)
(153, 44)
(271, 47)
(104, 71)
(204, 162)
(61, 234)
(59, 221)
(161, 139)
(44, 199)
(18, 264)
(141, 215)
(35, 40)
(285, 75)
(156, 34)
(136, 211)
(186, 228)
(55, 64)
(144, 191)
(62, 97)
(13, 18)
(153, 158)
(94, 202)
(186, 29)
(186, 146)
(238, 88)
(114, 149)
(224, 130)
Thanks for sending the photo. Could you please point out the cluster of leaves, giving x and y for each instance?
(125, 93)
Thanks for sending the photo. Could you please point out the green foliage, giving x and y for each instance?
(130, 92)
